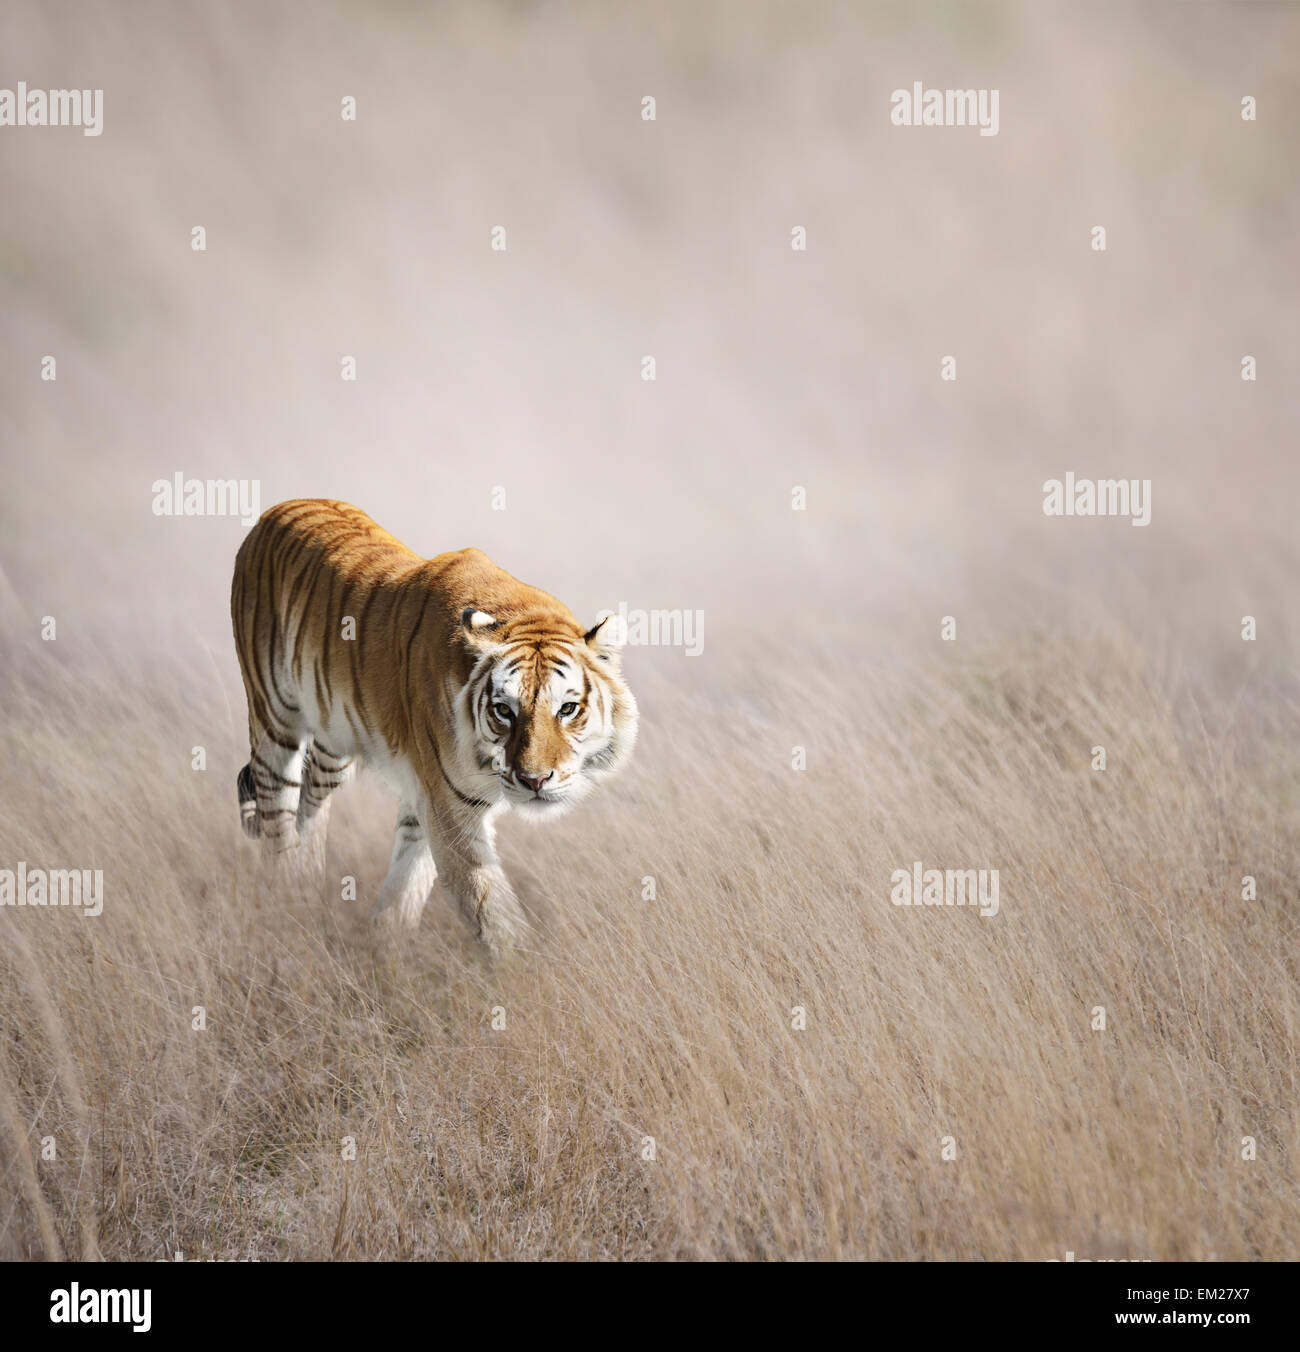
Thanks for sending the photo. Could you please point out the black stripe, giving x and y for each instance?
(284, 746)
(269, 773)
(464, 798)
(323, 702)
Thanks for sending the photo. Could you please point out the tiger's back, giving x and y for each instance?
(308, 577)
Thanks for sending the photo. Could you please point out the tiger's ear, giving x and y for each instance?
(478, 627)
(606, 638)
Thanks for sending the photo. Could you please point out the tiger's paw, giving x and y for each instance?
(502, 928)
(249, 818)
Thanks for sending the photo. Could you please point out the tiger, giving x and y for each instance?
(469, 692)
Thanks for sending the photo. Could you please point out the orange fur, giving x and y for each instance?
(472, 690)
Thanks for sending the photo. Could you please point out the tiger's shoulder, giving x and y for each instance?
(470, 580)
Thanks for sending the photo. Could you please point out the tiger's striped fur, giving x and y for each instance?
(469, 691)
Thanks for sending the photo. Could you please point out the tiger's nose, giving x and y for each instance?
(534, 782)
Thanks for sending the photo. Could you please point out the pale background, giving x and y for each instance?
(521, 369)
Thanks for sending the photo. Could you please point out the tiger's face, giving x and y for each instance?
(548, 714)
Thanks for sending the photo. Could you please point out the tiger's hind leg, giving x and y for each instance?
(322, 773)
(247, 791)
(276, 773)
(411, 871)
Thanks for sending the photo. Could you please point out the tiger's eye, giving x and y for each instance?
(567, 709)
(503, 712)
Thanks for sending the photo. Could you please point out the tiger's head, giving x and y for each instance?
(545, 710)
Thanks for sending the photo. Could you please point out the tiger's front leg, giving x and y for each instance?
(463, 844)
(411, 872)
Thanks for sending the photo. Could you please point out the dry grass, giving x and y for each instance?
(671, 1018)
